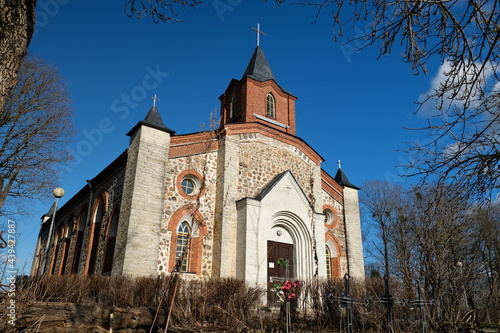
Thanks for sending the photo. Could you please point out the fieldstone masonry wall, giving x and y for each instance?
(262, 158)
(338, 231)
(206, 166)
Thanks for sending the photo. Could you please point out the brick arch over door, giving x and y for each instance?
(98, 212)
(335, 253)
(198, 230)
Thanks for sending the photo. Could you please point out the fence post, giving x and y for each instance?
(422, 302)
(388, 304)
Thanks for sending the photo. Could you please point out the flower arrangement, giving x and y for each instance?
(288, 290)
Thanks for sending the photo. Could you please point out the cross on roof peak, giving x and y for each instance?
(154, 100)
(259, 32)
(340, 164)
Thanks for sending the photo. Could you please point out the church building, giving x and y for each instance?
(229, 202)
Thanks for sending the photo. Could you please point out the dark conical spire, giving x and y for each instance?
(152, 119)
(258, 68)
(341, 178)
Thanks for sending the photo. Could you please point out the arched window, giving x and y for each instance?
(65, 248)
(80, 233)
(55, 246)
(233, 106)
(328, 263)
(110, 244)
(181, 250)
(94, 237)
(187, 229)
(270, 106)
(36, 264)
(333, 254)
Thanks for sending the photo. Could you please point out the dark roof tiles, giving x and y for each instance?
(258, 68)
(341, 178)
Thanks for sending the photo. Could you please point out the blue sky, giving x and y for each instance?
(350, 105)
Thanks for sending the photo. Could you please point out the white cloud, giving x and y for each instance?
(464, 84)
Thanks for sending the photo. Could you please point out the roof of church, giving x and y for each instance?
(341, 178)
(153, 119)
(258, 68)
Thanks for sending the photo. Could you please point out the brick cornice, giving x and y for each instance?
(331, 186)
(243, 128)
(271, 83)
(193, 143)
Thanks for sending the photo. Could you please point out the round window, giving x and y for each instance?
(329, 217)
(188, 186)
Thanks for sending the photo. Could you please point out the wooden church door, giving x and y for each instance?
(276, 274)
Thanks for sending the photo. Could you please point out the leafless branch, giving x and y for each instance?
(35, 126)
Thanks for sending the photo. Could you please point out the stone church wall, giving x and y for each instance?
(69, 216)
(262, 158)
(205, 165)
(338, 227)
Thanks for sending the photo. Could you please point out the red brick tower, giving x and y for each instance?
(257, 97)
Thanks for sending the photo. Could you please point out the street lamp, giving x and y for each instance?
(462, 282)
(58, 193)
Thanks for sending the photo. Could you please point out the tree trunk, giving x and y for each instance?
(17, 24)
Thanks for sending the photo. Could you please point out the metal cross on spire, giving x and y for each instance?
(154, 100)
(258, 33)
(340, 164)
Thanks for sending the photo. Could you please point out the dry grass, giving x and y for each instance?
(221, 302)
(223, 305)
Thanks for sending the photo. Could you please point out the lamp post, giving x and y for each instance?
(58, 193)
(462, 284)
(387, 298)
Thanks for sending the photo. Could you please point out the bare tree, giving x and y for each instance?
(486, 220)
(380, 199)
(34, 126)
(464, 35)
(159, 10)
(386, 204)
(430, 236)
(17, 22)
(165, 10)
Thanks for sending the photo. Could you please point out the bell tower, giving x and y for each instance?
(257, 97)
